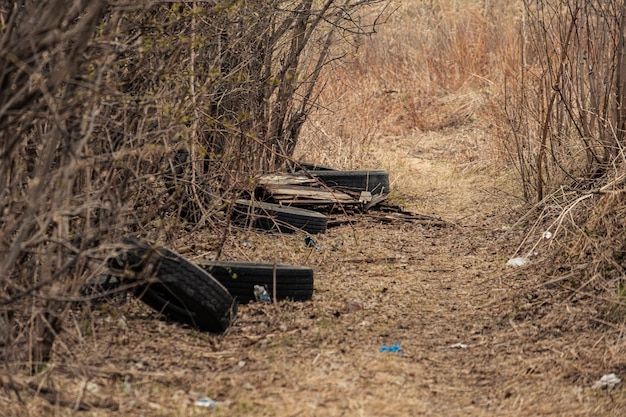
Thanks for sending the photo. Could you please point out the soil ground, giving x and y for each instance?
(478, 338)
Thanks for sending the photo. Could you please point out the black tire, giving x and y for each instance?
(279, 218)
(292, 282)
(375, 181)
(183, 292)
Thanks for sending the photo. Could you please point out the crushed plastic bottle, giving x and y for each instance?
(261, 294)
(395, 348)
(205, 402)
(517, 261)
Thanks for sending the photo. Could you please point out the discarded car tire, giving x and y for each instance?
(292, 282)
(374, 181)
(279, 218)
(182, 291)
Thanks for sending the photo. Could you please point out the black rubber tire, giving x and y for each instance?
(292, 282)
(183, 292)
(375, 181)
(269, 216)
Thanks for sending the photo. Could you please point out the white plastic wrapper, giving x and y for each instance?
(608, 382)
(517, 261)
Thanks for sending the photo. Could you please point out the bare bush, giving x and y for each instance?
(565, 102)
(47, 115)
(119, 118)
(565, 106)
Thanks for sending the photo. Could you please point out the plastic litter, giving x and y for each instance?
(205, 402)
(547, 234)
(127, 386)
(353, 306)
(310, 242)
(260, 294)
(395, 348)
(458, 346)
(608, 382)
(517, 261)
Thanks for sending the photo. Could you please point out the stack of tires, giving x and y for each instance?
(286, 219)
(205, 296)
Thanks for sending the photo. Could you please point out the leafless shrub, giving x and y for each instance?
(120, 118)
(565, 102)
(565, 107)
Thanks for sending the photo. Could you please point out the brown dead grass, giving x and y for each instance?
(531, 348)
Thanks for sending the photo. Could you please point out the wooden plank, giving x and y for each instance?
(285, 179)
(299, 193)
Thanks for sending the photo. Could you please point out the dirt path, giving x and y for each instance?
(478, 338)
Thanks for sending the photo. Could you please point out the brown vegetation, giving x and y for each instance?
(120, 119)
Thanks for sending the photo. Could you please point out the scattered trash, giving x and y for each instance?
(458, 346)
(205, 402)
(127, 386)
(395, 348)
(260, 294)
(336, 245)
(517, 261)
(608, 382)
(246, 243)
(366, 197)
(547, 234)
(310, 242)
(353, 306)
(92, 388)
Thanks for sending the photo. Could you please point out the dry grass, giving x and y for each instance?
(531, 348)
(432, 70)
(529, 352)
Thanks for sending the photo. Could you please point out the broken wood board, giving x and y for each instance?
(286, 179)
(308, 195)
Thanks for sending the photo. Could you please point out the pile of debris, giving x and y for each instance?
(313, 199)
(205, 295)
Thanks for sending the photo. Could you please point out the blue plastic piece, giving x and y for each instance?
(395, 348)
